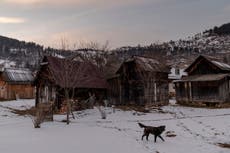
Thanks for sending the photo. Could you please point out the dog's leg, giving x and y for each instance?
(155, 138)
(142, 136)
(161, 137)
(147, 137)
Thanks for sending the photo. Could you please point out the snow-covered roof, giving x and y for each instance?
(221, 65)
(7, 63)
(212, 60)
(148, 64)
(18, 75)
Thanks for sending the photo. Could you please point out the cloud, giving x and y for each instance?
(76, 2)
(55, 2)
(12, 20)
(22, 1)
(227, 8)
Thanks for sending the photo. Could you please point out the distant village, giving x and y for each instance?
(138, 80)
(123, 76)
(191, 72)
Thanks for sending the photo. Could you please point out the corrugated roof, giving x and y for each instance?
(15, 75)
(79, 74)
(200, 78)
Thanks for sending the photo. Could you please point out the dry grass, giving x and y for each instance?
(205, 105)
(38, 115)
(223, 145)
(132, 107)
(27, 111)
(170, 134)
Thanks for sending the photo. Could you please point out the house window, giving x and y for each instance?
(177, 71)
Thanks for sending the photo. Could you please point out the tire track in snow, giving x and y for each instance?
(208, 133)
(127, 132)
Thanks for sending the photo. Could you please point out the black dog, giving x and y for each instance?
(156, 131)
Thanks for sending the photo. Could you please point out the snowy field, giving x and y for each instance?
(197, 131)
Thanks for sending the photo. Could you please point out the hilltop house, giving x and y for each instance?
(16, 83)
(207, 82)
(56, 76)
(140, 80)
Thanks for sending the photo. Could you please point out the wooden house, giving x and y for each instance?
(16, 83)
(140, 80)
(56, 76)
(176, 73)
(207, 82)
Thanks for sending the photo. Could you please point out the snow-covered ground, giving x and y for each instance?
(196, 130)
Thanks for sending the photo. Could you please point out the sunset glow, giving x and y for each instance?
(11, 20)
(122, 23)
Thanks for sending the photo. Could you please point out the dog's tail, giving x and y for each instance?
(142, 125)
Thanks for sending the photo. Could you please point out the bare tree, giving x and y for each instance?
(72, 69)
(65, 73)
(97, 54)
(41, 113)
(68, 74)
(37, 114)
(93, 45)
(93, 51)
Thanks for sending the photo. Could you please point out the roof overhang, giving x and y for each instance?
(203, 78)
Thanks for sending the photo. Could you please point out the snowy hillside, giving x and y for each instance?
(202, 43)
(209, 42)
(194, 130)
(7, 63)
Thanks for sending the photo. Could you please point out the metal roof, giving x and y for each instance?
(18, 75)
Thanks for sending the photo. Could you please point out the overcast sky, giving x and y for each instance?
(121, 22)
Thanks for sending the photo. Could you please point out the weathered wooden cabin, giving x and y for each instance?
(140, 80)
(208, 82)
(16, 83)
(58, 75)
